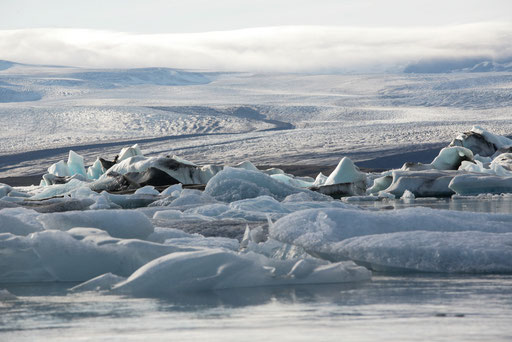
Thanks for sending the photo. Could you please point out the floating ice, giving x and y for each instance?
(234, 184)
(427, 183)
(103, 282)
(504, 160)
(447, 252)
(491, 169)
(95, 170)
(147, 190)
(4, 190)
(298, 183)
(19, 221)
(76, 164)
(345, 172)
(199, 241)
(59, 169)
(407, 196)
(181, 171)
(128, 224)
(76, 255)
(450, 158)
(129, 152)
(265, 204)
(320, 179)
(320, 231)
(481, 142)
(59, 189)
(214, 269)
(172, 190)
(474, 184)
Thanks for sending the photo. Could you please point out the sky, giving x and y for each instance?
(171, 16)
(257, 35)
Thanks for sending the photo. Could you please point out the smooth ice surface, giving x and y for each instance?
(322, 231)
(234, 184)
(475, 184)
(450, 158)
(76, 255)
(448, 252)
(214, 269)
(118, 223)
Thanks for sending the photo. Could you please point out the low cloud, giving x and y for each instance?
(282, 49)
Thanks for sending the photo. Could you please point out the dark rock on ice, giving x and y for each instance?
(342, 190)
(476, 142)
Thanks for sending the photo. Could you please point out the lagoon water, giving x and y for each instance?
(409, 307)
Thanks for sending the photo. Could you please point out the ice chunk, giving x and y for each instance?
(504, 160)
(190, 198)
(298, 183)
(59, 169)
(233, 184)
(408, 196)
(129, 152)
(474, 184)
(4, 189)
(172, 190)
(247, 165)
(6, 295)
(450, 158)
(95, 170)
(345, 172)
(76, 164)
(59, 189)
(147, 190)
(19, 221)
(129, 224)
(213, 269)
(319, 231)
(479, 167)
(427, 183)
(103, 282)
(481, 142)
(211, 210)
(161, 234)
(320, 179)
(451, 252)
(77, 255)
(381, 183)
(199, 241)
(181, 172)
(265, 204)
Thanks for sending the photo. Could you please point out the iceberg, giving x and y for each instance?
(481, 142)
(474, 184)
(345, 172)
(427, 183)
(75, 255)
(320, 231)
(216, 269)
(422, 251)
(233, 184)
(127, 224)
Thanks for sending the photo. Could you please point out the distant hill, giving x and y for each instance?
(449, 65)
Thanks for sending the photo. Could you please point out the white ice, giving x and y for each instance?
(323, 232)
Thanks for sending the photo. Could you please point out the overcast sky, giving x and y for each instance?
(257, 35)
(168, 16)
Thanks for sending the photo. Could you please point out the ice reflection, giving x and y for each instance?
(491, 204)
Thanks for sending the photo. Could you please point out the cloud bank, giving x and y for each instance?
(268, 49)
